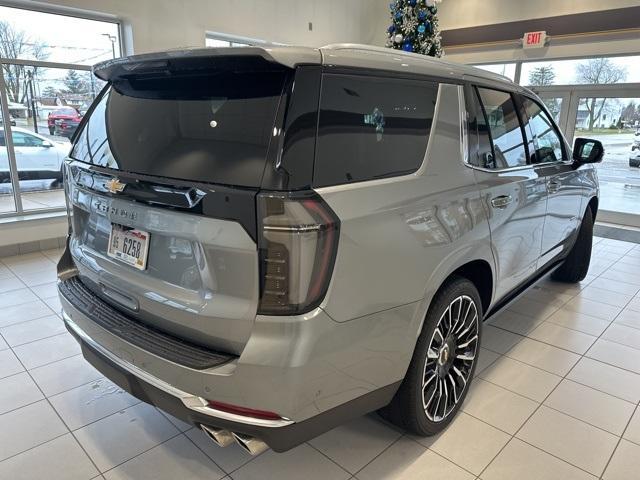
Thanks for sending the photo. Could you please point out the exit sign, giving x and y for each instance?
(534, 39)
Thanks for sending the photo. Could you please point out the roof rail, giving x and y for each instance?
(469, 70)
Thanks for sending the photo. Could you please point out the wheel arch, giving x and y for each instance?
(479, 273)
(478, 269)
(593, 205)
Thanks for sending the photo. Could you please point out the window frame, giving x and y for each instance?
(124, 47)
(475, 87)
(556, 129)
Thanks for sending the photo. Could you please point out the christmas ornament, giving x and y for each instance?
(414, 27)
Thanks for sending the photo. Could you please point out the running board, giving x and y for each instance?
(515, 294)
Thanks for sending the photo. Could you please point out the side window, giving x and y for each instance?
(19, 139)
(483, 154)
(371, 127)
(25, 140)
(546, 141)
(506, 134)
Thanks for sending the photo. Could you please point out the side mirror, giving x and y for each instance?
(46, 144)
(587, 150)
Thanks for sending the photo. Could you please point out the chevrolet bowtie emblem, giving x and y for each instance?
(115, 186)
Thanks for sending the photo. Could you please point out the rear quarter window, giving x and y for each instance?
(371, 127)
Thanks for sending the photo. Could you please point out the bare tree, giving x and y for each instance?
(598, 71)
(630, 114)
(542, 76)
(16, 44)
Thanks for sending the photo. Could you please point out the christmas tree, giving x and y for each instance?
(415, 27)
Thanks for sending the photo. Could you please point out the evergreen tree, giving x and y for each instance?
(415, 27)
(49, 92)
(74, 83)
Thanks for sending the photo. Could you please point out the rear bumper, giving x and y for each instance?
(313, 372)
(280, 435)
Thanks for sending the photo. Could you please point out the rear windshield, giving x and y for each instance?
(205, 128)
(66, 111)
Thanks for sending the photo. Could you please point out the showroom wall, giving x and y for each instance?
(163, 24)
(467, 13)
(456, 14)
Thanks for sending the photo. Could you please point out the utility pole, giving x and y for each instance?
(112, 39)
(33, 101)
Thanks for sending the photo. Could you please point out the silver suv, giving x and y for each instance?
(268, 242)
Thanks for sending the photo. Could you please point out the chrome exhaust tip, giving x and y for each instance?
(222, 438)
(251, 444)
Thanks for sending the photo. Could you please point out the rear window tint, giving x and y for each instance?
(208, 129)
(371, 127)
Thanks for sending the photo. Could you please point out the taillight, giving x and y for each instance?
(297, 242)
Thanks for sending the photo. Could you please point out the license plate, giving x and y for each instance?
(129, 246)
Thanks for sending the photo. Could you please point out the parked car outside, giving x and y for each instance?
(37, 157)
(66, 128)
(267, 262)
(12, 120)
(64, 113)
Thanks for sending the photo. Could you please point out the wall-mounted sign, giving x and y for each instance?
(534, 39)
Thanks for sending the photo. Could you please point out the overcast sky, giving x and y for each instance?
(70, 39)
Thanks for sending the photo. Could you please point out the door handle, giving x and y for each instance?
(553, 186)
(502, 201)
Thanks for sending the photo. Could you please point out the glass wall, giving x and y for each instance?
(616, 123)
(506, 69)
(594, 97)
(45, 63)
(7, 201)
(554, 104)
(591, 71)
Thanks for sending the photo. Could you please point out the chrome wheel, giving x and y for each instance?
(450, 358)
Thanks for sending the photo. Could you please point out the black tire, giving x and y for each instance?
(576, 265)
(407, 409)
(58, 181)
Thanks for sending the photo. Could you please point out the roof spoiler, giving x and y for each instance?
(167, 63)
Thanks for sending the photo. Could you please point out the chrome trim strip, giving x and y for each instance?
(528, 166)
(464, 124)
(190, 401)
(293, 228)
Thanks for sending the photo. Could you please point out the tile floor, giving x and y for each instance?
(556, 397)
